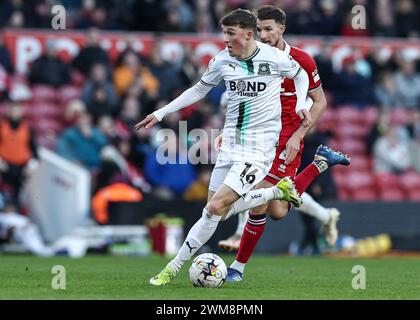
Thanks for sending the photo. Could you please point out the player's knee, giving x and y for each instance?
(277, 214)
(215, 207)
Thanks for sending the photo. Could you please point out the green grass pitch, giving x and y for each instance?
(267, 277)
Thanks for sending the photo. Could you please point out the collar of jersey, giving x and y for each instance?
(286, 47)
(251, 56)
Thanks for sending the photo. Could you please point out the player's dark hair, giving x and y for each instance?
(240, 17)
(271, 12)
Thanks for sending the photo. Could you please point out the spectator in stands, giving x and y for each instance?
(413, 128)
(129, 115)
(4, 84)
(91, 54)
(351, 87)
(131, 72)
(325, 68)
(148, 15)
(184, 11)
(198, 190)
(106, 125)
(378, 129)
(164, 170)
(5, 59)
(330, 21)
(304, 19)
(73, 109)
(384, 22)
(48, 69)
(169, 77)
(386, 91)
(17, 147)
(98, 77)
(391, 152)
(407, 82)
(407, 19)
(99, 94)
(115, 188)
(82, 143)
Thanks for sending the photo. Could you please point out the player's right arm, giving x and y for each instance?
(209, 80)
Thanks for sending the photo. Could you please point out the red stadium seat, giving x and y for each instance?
(42, 110)
(399, 116)
(340, 179)
(370, 116)
(343, 194)
(392, 194)
(410, 181)
(360, 162)
(49, 126)
(43, 93)
(348, 114)
(68, 93)
(386, 181)
(350, 146)
(414, 195)
(359, 179)
(364, 194)
(348, 130)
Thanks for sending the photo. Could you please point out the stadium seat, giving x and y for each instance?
(392, 194)
(340, 179)
(343, 194)
(348, 114)
(370, 116)
(349, 130)
(43, 93)
(399, 116)
(68, 93)
(43, 126)
(364, 194)
(42, 110)
(414, 195)
(361, 163)
(350, 146)
(410, 181)
(386, 180)
(359, 179)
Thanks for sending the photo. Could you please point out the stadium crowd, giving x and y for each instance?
(388, 18)
(373, 112)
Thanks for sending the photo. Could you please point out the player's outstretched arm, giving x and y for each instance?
(187, 98)
(147, 122)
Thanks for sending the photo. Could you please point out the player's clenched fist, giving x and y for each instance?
(147, 122)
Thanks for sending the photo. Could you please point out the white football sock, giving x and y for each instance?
(312, 208)
(242, 219)
(238, 266)
(199, 234)
(253, 199)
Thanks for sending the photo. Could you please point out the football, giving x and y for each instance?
(208, 270)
